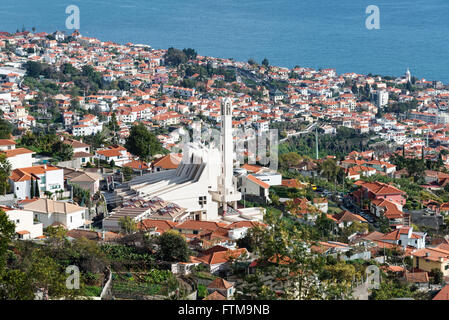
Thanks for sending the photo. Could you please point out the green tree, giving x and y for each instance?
(114, 127)
(5, 172)
(324, 225)
(288, 160)
(190, 53)
(48, 276)
(390, 289)
(173, 247)
(265, 62)
(127, 225)
(341, 272)
(33, 69)
(56, 232)
(437, 275)
(127, 173)
(5, 129)
(252, 62)
(37, 192)
(7, 231)
(175, 57)
(286, 268)
(142, 142)
(202, 291)
(16, 285)
(329, 168)
(62, 151)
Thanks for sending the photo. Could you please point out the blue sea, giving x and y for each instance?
(310, 33)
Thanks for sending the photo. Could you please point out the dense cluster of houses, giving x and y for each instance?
(42, 192)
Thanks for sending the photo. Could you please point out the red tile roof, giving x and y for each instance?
(215, 296)
(220, 283)
(15, 152)
(160, 225)
(443, 294)
(168, 162)
(7, 142)
(258, 182)
(137, 165)
(24, 174)
(221, 256)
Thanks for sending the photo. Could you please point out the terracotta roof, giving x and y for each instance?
(25, 174)
(432, 254)
(375, 235)
(443, 246)
(170, 161)
(109, 152)
(215, 296)
(347, 216)
(137, 165)
(199, 225)
(15, 152)
(258, 182)
(82, 154)
(391, 210)
(160, 225)
(443, 294)
(7, 142)
(221, 256)
(92, 235)
(292, 183)
(417, 277)
(394, 268)
(220, 283)
(252, 168)
(76, 143)
(379, 188)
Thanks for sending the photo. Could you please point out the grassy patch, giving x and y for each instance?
(92, 291)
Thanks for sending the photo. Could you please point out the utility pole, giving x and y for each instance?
(316, 141)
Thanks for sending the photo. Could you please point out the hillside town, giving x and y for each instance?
(143, 168)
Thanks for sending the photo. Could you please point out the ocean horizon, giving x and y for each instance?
(316, 34)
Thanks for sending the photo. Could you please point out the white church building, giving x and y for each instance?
(203, 183)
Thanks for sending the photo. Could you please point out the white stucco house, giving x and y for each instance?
(405, 237)
(119, 155)
(49, 178)
(54, 213)
(17, 157)
(26, 227)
